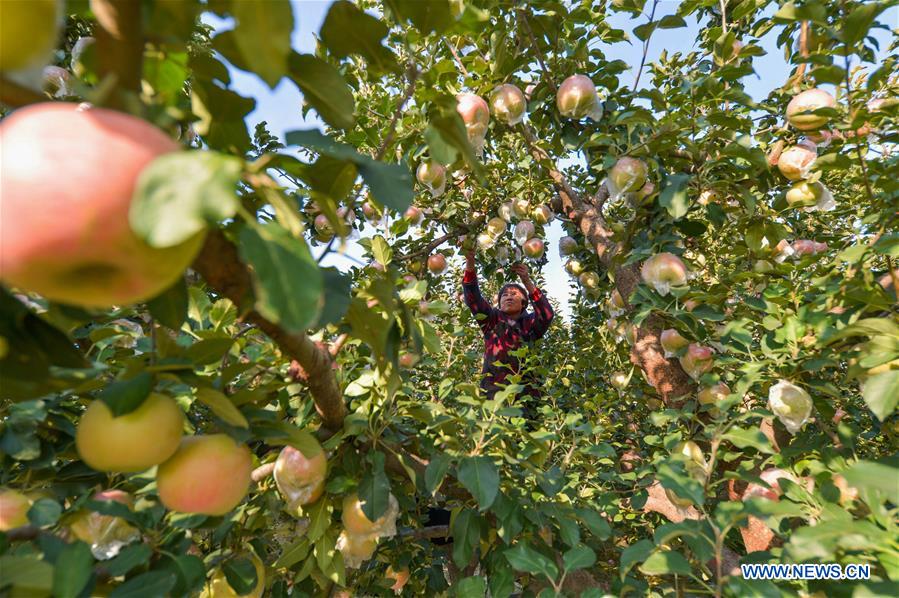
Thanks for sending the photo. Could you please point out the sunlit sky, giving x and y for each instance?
(281, 108)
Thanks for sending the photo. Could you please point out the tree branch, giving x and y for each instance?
(219, 264)
(14, 95)
(120, 46)
(413, 75)
(522, 19)
(427, 249)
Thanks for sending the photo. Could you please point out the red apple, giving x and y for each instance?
(56, 81)
(697, 360)
(663, 271)
(476, 116)
(533, 248)
(795, 162)
(14, 508)
(521, 207)
(80, 165)
(413, 214)
(437, 263)
(628, 174)
(542, 214)
(713, 395)
(301, 478)
(567, 246)
(508, 104)
(577, 98)
(672, 342)
(808, 247)
(208, 475)
(356, 522)
(370, 212)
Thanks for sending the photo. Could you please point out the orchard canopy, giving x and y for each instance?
(234, 358)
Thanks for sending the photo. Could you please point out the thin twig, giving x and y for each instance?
(456, 56)
(412, 73)
(522, 18)
(432, 245)
(652, 15)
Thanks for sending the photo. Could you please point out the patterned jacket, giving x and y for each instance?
(503, 334)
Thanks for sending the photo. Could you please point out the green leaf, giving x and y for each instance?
(170, 307)
(263, 37)
(347, 30)
(390, 184)
(222, 407)
(294, 553)
(880, 477)
(189, 571)
(523, 558)
(597, 525)
(749, 437)
(27, 575)
(854, 27)
(665, 563)
(466, 536)
(480, 476)
(380, 249)
(435, 472)
(324, 88)
(146, 585)
(337, 297)
(129, 558)
(74, 567)
(208, 350)
(374, 488)
(124, 396)
(44, 512)
(470, 587)
(319, 520)
(579, 557)
(433, 15)
(241, 575)
(633, 554)
(881, 393)
(286, 279)
(178, 194)
(673, 196)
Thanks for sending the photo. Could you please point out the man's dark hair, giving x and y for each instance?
(514, 286)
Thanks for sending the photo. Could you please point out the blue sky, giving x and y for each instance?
(282, 107)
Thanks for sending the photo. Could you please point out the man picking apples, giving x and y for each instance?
(507, 326)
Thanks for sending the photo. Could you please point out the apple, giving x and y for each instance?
(542, 214)
(672, 342)
(496, 226)
(589, 280)
(533, 248)
(106, 534)
(619, 380)
(574, 267)
(132, 442)
(502, 255)
(628, 174)
(28, 33)
(81, 165)
(697, 360)
(413, 214)
(485, 241)
(695, 465)
(218, 586)
(709, 196)
(408, 360)
(801, 104)
(577, 98)
(56, 81)
(663, 271)
(508, 104)
(567, 246)
(524, 230)
(400, 578)
(208, 475)
(713, 395)
(505, 211)
(795, 162)
(356, 548)
(804, 194)
(616, 301)
(773, 490)
(791, 404)
(356, 522)
(370, 212)
(643, 193)
(432, 175)
(437, 263)
(475, 115)
(324, 232)
(13, 509)
(807, 247)
(691, 304)
(301, 478)
(521, 207)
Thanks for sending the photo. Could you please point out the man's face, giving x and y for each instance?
(512, 301)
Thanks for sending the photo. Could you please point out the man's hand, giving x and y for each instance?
(522, 271)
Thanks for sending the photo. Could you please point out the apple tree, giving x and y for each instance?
(192, 403)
